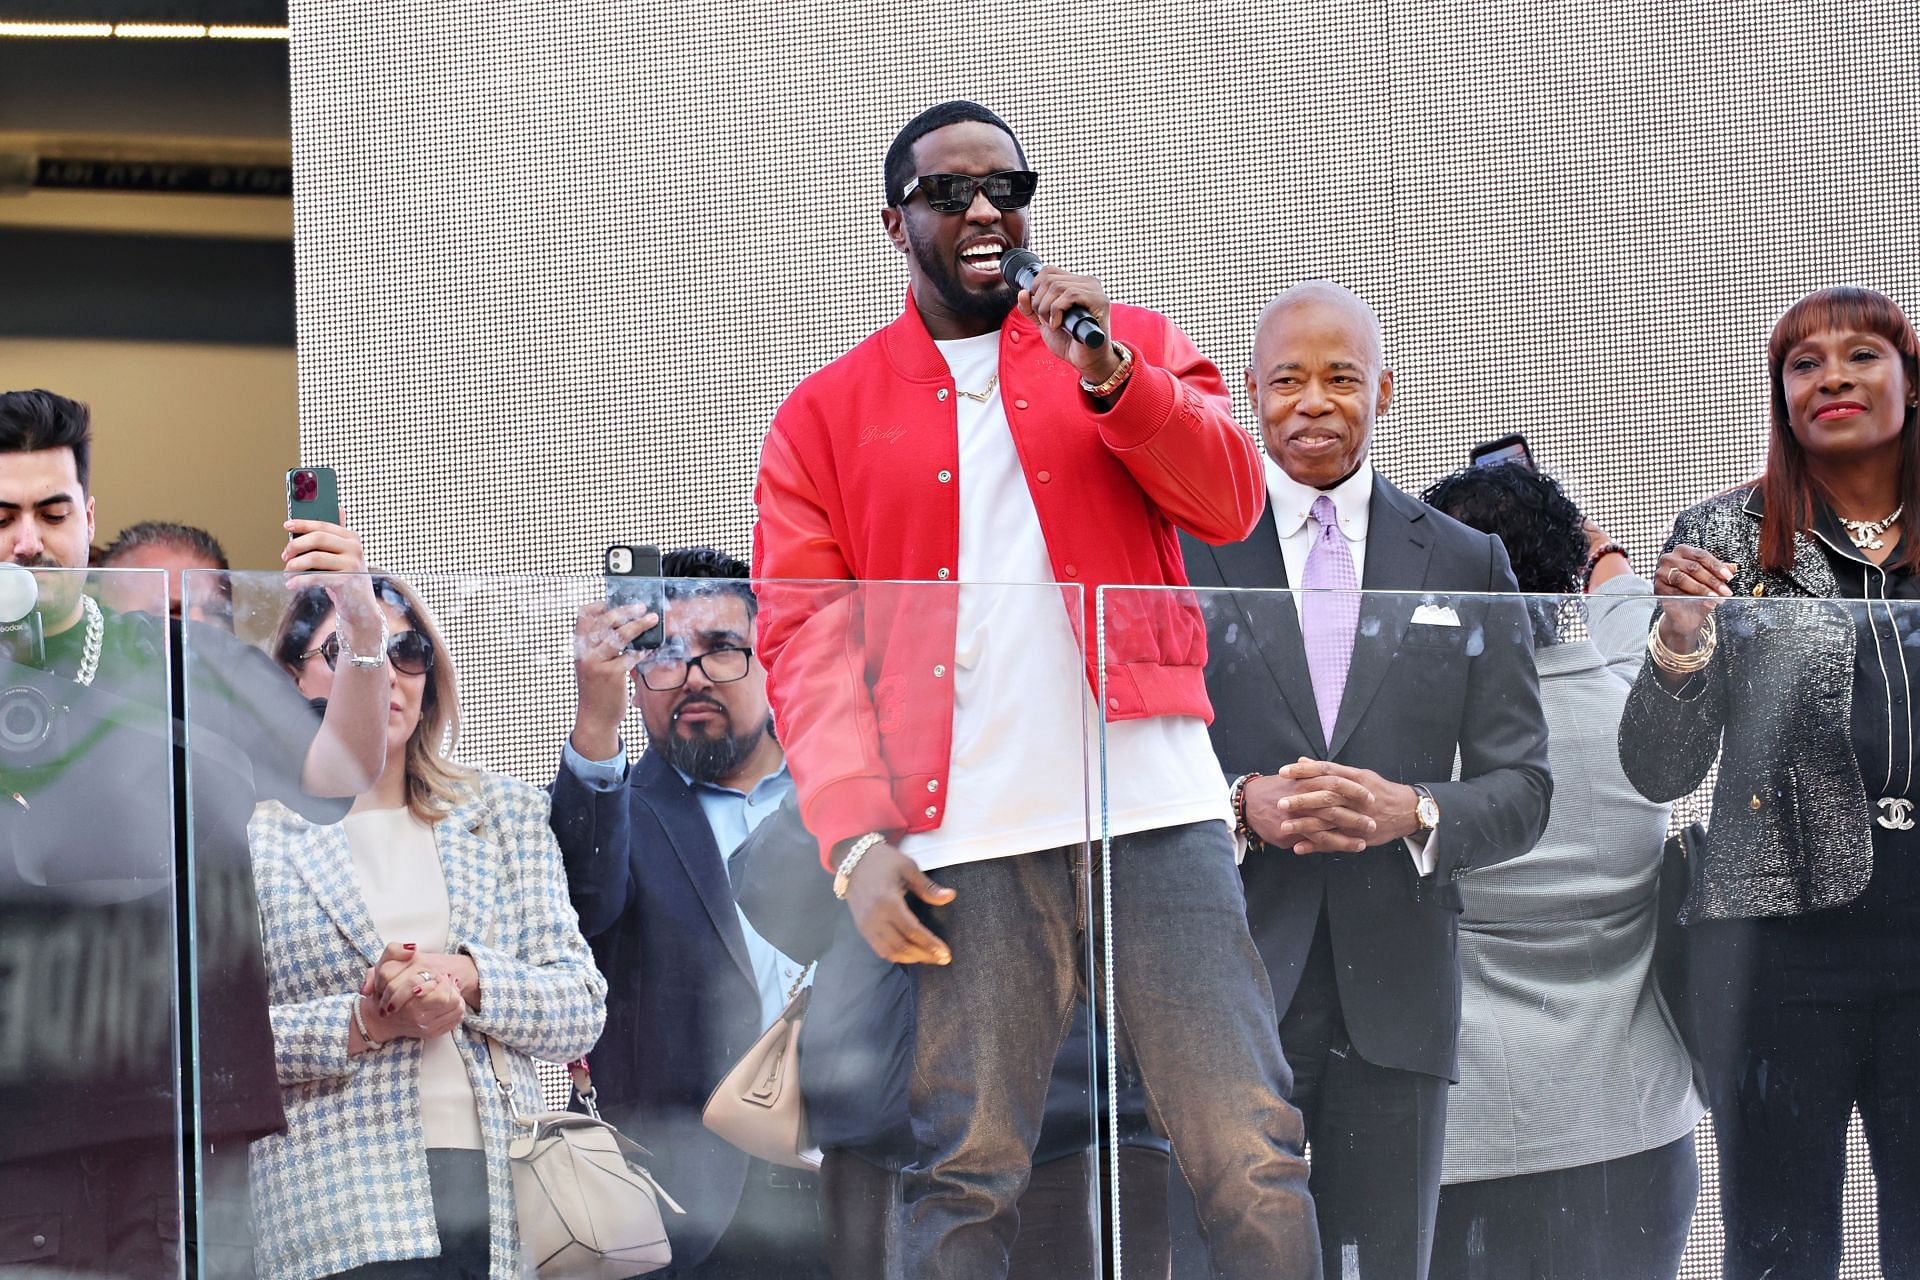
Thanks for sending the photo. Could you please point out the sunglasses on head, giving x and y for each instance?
(1006, 191)
(410, 652)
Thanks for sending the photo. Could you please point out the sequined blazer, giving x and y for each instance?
(1789, 828)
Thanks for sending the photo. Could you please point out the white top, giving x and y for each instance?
(1025, 768)
(397, 864)
(1293, 521)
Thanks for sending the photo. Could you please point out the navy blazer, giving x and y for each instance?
(1416, 693)
(651, 888)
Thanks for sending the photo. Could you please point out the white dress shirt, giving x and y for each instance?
(1293, 521)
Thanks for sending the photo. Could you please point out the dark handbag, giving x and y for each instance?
(1672, 943)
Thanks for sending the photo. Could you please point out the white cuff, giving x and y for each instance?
(1422, 846)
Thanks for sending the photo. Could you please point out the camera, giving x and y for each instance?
(29, 713)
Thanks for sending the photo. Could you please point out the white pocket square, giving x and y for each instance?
(1436, 615)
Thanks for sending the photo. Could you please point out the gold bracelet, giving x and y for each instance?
(1112, 384)
(1684, 664)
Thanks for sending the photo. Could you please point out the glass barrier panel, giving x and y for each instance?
(625, 854)
(90, 1108)
(1526, 891)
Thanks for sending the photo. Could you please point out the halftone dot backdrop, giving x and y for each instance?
(558, 263)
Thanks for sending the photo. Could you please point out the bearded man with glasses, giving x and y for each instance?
(975, 441)
(690, 983)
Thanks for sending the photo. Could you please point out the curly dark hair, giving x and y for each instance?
(1540, 526)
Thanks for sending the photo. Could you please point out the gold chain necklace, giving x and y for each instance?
(978, 397)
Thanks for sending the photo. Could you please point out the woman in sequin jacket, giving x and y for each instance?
(1786, 653)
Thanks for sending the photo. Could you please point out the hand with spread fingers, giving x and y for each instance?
(602, 663)
(1055, 291)
(877, 895)
(1691, 583)
(1320, 806)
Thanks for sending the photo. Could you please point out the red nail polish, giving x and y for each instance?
(416, 991)
(407, 945)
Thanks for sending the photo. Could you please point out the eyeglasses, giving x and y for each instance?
(722, 666)
(1007, 190)
(410, 652)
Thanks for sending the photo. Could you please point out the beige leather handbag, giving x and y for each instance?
(587, 1209)
(756, 1106)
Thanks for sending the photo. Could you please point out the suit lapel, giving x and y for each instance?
(1398, 547)
(699, 854)
(1272, 619)
(1811, 572)
(467, 863)
(328, 870)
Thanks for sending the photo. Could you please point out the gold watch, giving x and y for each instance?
(1426, 810)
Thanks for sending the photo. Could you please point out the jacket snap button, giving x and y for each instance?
(939, 670)
(945, 476)
(1754, 804)
(1015, 335)
(933, 811)
(943, 575)
(1072, 572)
(39, 1241)
(1113, 704)
(933, 784)
(1019, 404)
(1044, 477)
(941, 394)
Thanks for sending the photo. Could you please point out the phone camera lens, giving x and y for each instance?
(305, 486)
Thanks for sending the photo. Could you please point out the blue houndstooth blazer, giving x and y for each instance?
(347, 1183)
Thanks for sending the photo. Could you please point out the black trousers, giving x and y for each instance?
(1057, 1239)
(1829, 1020)
(1375, 1135)
(459, 1180)
(1624, 1219)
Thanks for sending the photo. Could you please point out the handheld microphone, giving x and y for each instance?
(1021, 266)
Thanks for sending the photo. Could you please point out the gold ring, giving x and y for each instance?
(1673, 575)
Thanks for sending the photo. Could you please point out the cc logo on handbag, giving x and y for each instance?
(1896, 813)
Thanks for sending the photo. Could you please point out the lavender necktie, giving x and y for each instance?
(1329, 613)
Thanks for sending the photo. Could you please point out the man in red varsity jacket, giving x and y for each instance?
(939, 739)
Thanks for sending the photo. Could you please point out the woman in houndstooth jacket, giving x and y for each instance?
(398, 940)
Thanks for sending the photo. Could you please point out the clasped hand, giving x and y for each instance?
(416, 993)
(1319, 806)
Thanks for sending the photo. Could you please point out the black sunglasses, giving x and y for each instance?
(1007, 190)
(410, 652)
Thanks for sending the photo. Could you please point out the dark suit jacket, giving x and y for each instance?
(1415, 694)
(682, 1004)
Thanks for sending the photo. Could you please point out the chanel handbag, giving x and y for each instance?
(587, 1208)
(756, 1106)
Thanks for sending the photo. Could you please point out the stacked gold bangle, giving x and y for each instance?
(1684, 664)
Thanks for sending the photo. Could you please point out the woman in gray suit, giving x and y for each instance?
(1569, 1148)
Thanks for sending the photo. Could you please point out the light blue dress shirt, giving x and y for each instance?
(731, 815)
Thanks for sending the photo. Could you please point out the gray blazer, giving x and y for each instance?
(1567, 1053)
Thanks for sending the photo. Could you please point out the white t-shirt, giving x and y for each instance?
(397, 863)
(1025, 769)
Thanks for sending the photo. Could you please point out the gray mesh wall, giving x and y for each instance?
(558, 263)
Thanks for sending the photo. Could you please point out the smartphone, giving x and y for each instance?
(1511, 448)
(313, 493)
(633, 577)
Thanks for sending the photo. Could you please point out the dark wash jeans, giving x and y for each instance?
(1195, 1012)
